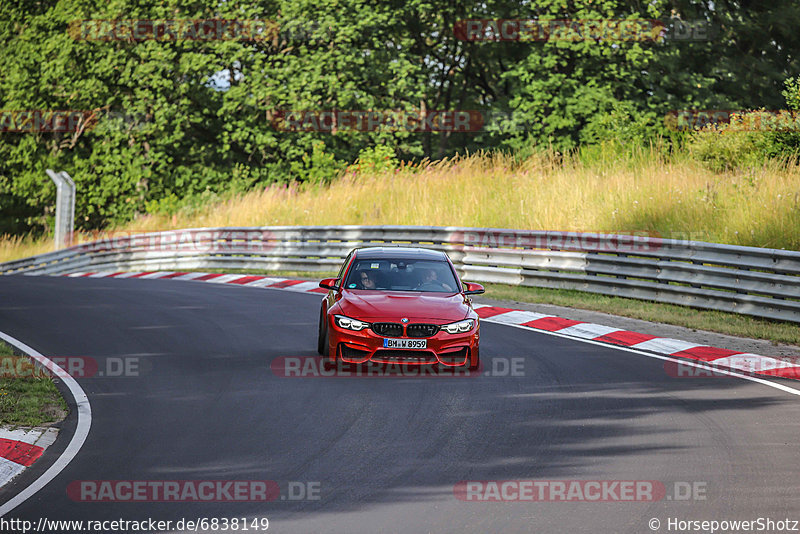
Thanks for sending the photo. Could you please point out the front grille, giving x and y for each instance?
(422, 330)
(387, 329)
(404, 356)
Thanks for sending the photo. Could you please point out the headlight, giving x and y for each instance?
(350, 324)
(459, 327)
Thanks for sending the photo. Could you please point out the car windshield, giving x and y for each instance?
(402, 275)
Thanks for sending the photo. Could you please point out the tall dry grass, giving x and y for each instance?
(15, 247)
(676, 198)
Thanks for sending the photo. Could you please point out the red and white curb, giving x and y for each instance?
(20, 448)
(724, 358)
(745, 362)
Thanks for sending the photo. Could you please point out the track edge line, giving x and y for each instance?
(82, 427)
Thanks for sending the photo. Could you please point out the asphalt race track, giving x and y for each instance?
(384, 453)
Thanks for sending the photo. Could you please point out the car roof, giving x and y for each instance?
(400, 253)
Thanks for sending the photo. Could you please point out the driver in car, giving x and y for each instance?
(367, 280)
(430, 282)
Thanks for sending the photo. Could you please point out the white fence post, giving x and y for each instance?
(65, 208)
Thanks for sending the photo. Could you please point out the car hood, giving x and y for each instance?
(394, 305)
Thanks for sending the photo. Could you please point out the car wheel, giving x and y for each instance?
(322, 336)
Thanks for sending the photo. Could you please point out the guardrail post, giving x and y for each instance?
(65, 208)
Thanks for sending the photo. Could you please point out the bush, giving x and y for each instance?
(318, 168)
(721, 149)
(377, 159)
(622, 125)
(623, 132)
(751, 139)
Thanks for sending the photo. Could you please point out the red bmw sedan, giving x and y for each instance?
(397, 305)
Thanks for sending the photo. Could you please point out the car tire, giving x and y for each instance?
(322, 335)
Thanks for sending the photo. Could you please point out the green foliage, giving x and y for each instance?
(623, 124)
(722, 150)
(179, 119)
(377, 159)
(318, 168)
(169, 205)
(751, 138)
(791, 93)
(786, 141)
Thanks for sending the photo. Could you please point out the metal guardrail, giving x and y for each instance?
(747, 280)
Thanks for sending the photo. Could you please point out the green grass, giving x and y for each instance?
(713, 321)
(27, 401)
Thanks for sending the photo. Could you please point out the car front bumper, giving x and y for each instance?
(364, 346)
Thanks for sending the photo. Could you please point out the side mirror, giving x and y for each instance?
(329, 283)
(471, 288)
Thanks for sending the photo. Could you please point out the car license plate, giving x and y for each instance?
(391, 343)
